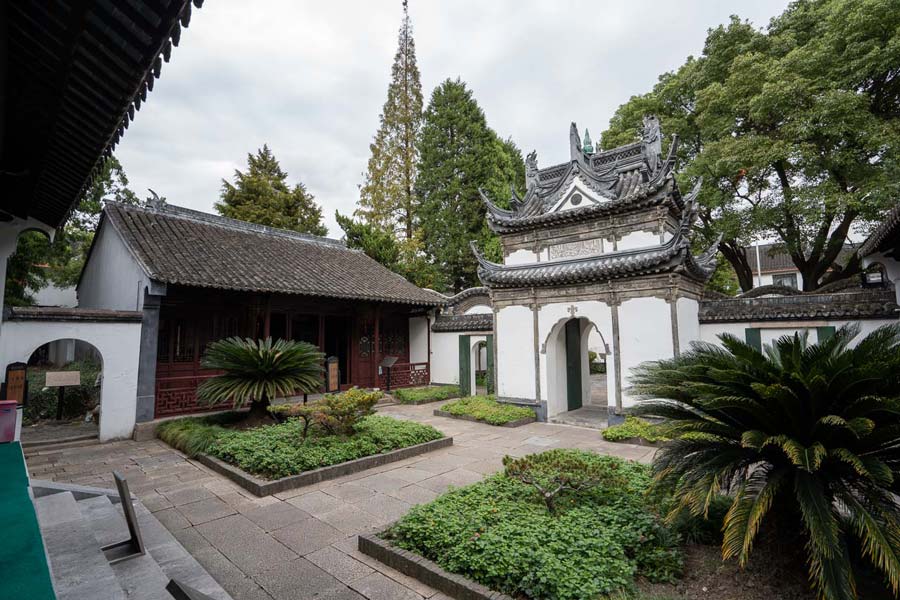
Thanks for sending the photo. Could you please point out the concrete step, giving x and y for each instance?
(79, 568)
(141, 577)
(77, 441)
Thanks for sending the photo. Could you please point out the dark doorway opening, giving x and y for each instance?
(337, 341)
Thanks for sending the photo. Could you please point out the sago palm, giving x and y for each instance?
(256, 371)
(804, 438)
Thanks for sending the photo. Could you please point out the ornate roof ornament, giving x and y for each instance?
(531, 170)
(575, 149)
(588, 147)
(651, 141)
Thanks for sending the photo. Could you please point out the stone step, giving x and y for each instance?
(78, 566)
(141, 577)
(33, 448)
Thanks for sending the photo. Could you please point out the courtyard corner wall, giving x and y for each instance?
(112, 278)
(418, 339)
(516, 351)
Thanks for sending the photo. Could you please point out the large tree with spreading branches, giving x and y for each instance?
(794, 129)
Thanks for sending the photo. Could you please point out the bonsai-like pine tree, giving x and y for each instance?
(387, 198)
(262, 195)
(257, 371)
(805, 438)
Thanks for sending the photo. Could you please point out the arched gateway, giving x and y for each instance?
(599, 243)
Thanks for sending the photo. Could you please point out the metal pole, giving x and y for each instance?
(60, 396)
(758, 267)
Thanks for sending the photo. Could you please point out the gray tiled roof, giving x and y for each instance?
(180, 246)
(774, 257)
(866, 304)
(886, 237)
(474, 322)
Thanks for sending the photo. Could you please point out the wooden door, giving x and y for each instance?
(465, 366)
(573, 364)
(491, 375)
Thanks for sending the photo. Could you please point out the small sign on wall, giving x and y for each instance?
(63, 378)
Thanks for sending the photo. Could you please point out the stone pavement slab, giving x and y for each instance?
(302, 543)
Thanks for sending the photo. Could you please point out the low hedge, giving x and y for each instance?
(275, 451)
(634, 427)
(429, 393)
(487, 409)
(500, 533)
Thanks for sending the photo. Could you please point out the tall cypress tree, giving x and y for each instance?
(387, 197)
(459, 155)
(262, 195)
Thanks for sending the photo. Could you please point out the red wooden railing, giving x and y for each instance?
(406, 375)
(177, 395)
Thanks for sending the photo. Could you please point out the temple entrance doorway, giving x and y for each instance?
(576, 359)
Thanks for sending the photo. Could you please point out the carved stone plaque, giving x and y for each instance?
(580, 248)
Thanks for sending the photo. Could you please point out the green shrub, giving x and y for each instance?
(805, 436)
(487, 409)
(194, 435)
(429, 393)
(275, 451)
(498, 532)
(337, 414)
(634, 427)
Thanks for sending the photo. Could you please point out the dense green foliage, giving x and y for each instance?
(460, 154)
(275, 451)
(805, 437)
(430, 393)
(794, 129)
(387, 198)
(256, 371)
(337, 414)
(77, 399)
(634, 427)
(262, 195)
(498, 532)
(487, 409)
(37, 263)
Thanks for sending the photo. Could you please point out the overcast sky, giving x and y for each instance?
(310, 78)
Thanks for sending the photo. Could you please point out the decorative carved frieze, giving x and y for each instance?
(579, 248)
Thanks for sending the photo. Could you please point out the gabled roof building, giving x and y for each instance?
(600, 243)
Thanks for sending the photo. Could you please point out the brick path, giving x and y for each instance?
(302, 543)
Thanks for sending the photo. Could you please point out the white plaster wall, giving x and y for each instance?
(551, 325)
(687, 311)
(521, 257)
(891, 269)
(645, 333)
(637, 239)
(474, 351)
(52, 295)
(445, 355)
(770, 331)
(119, 346)
(515, 353)
(112, 278)
(418, 339)
(480, 309)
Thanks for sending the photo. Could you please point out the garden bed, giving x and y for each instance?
(635, 431)
(273, 458)
(426, 394)
(499, 536)
(486, 409)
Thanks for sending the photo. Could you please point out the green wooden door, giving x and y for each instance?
(465, 366)
(573, 364)
(491, 388)
(753, 337)
(823, 333)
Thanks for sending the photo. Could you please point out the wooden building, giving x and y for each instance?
(198, 278)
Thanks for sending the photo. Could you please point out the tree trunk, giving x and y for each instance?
(734, 254)
(259, 409)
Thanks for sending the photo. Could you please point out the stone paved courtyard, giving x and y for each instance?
(302, 543)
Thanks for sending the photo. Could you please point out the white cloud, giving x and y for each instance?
(310, 78)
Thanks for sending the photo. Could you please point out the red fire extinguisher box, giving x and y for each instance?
(8, 420)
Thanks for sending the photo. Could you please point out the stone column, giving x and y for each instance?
(146, 384)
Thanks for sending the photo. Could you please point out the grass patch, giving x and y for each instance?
(500, 533)
(487, 409)
(429, 393)
(275, 451)
(633, 427)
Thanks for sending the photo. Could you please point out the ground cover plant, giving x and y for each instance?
(601, 533)
(634, 427)
(430, 393)
(78, 399)
(340, 429)
(804, 437)
(487, 409)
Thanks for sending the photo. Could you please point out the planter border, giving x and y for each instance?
(637, 441)
(420, 402)
(426, 571)
(516, 423)
(266, 487)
